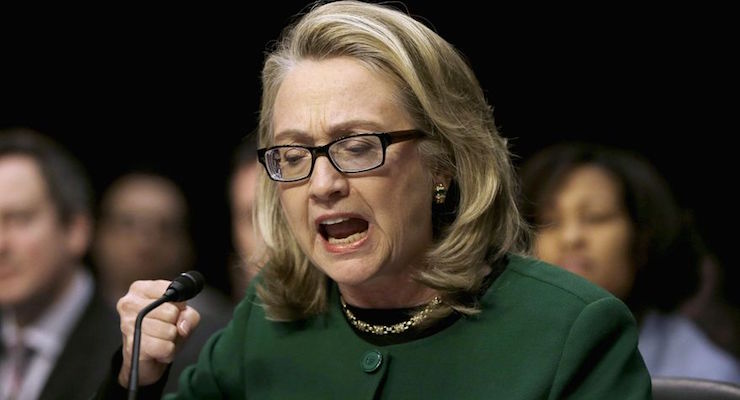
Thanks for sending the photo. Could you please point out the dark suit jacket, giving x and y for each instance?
(84, 361)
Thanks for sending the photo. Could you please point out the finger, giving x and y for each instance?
(128, 344)
(140, 294)
(166, 312)
(159, 329)
(154, 334)
(149, 289)
(129, 309)
(161, 350)
(187, 321)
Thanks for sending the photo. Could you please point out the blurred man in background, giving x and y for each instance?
(57, 333)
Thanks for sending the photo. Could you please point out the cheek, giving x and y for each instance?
(615, 258)
(41, 252)
(414, 213)
(36, 240)
(406, 202)
(413, 220)
(544, 247)
(294, 207)
(614, 245)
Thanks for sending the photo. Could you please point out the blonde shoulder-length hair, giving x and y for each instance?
(441, 93)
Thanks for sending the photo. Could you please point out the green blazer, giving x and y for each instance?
(543, 333)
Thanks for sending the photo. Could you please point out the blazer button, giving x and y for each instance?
(371, 361)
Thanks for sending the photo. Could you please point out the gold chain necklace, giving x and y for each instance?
(395, 328)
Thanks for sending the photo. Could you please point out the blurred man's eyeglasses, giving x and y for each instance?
(350, 154)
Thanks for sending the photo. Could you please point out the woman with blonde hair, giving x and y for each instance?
(397, 264)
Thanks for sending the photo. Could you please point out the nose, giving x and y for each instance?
(147, 232)
(572, 234)
(326, 183)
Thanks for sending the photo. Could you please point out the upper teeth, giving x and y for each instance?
(334, 221)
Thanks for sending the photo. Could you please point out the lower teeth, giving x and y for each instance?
(349, 239)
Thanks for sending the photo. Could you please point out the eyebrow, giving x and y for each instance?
(334, 132)
(292, 135)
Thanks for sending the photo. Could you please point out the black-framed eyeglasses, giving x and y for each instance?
(349, 154)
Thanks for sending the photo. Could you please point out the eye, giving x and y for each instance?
(357, 145)
(122, 222)
(19, 218)
(294, 156)
(597, 218)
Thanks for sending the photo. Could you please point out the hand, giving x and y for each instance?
(163, 330)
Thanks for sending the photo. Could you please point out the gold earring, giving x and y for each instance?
(440, 193)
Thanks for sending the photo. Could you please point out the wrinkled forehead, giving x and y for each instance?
(333, 97)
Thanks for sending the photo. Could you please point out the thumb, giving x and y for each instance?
(187, 321)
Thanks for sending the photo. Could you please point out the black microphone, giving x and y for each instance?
(184, 287)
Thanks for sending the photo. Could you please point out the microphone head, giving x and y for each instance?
(186, 286)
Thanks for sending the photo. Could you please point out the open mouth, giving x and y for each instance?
(343, 230)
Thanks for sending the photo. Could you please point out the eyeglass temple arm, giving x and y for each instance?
(400, 136)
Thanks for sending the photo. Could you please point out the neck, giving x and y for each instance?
(28, 312)
(411, 294)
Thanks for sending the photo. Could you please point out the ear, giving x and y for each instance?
(444, 178)
(79, 233)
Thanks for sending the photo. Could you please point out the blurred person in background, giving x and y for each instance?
(56, 331)
(249, 254)
(716, 308)
(143, 233)
(607, 215)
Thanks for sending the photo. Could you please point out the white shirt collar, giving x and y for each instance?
(48, 334)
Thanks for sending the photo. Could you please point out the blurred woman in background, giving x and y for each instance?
(607, 215)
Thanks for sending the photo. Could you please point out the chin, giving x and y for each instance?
(354, 272)
(11, 296)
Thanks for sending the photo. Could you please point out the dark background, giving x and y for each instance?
(178, 88)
